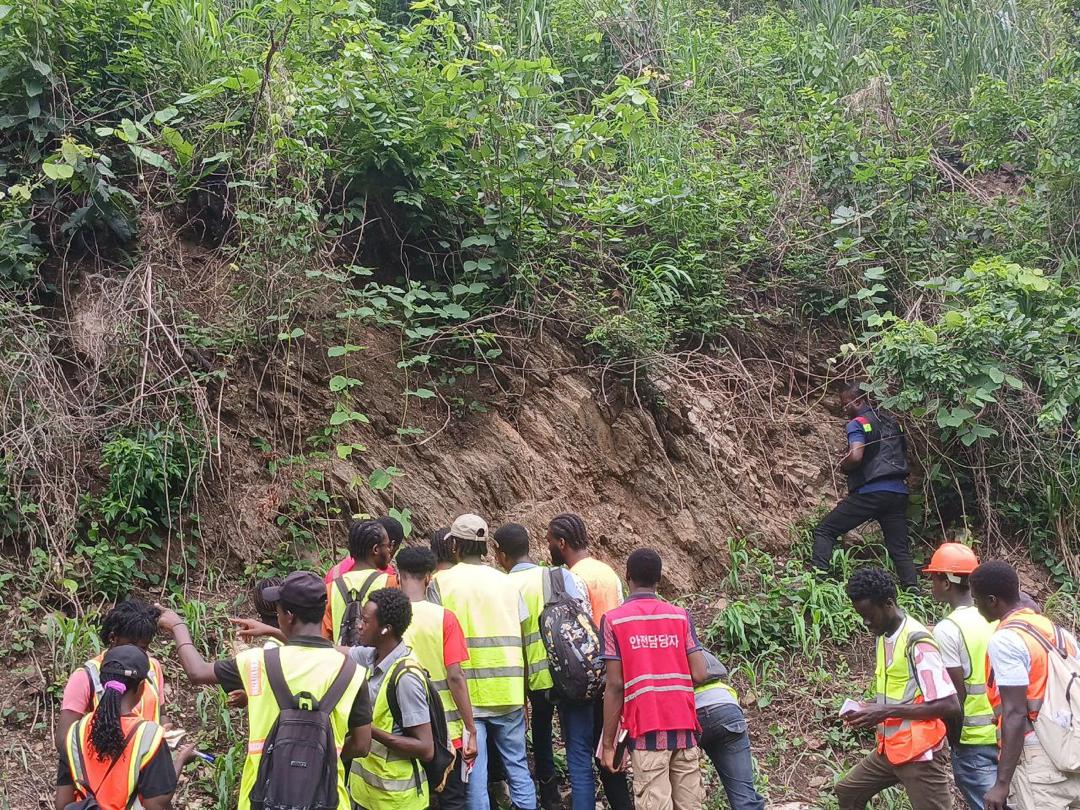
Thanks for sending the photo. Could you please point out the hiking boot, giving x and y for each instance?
(550, 796)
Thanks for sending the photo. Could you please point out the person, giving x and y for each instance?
(116, 754)
(266, 611)
(130, 622)
(442, 546)
(511, 547)
(492, 616)
(394, 530)
(876, 467)
(962, 638)
(725, 738)
(1019, 668)
(653, 662)
(369, 547)
(309, 663)
(915, 698)
(438, 643)
(391, 774)
(568, 544)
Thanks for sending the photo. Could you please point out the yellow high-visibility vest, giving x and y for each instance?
(306, 669)
(425, 638)
(532, 584)
(486, 603)
(384, 779)
(975, 631)
(354, 580)
(708, 687)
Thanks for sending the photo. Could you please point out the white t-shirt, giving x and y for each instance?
(1010, 658)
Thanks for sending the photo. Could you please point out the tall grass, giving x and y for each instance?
(982, 38)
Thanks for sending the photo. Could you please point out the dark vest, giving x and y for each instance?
(885, 451)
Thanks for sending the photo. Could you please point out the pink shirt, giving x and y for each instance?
(79, 695)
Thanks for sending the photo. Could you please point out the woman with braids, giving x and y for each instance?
(114, 754)
(130, 622)
(370, 548)
(442, 546)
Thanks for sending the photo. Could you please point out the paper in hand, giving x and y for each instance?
(849, 706)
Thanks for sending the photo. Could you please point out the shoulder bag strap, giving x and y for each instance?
(282, 694)
(343, 589)
(558, 581)
(337, 689)
(1031, 630)
(363, 592)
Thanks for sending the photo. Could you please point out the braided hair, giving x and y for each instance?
(267, 610)
(571, 528)
(443, 545)
(364, 536)
(107, 736)
(133, 620)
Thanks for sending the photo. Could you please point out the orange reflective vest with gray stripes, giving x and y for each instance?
(149, 707)
(1018, 622)
(114, 783)
(652, 637)
(306, 669)
(898, 685)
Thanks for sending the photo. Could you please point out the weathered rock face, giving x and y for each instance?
(713, 462)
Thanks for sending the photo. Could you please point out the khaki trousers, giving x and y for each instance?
(667, 780)
(926, 783)
(1038, 785)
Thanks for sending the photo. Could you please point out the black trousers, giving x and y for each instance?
(889, 509)
(453, 794)
(616, 786)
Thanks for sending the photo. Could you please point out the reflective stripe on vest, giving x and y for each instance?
(149, 707)
(354, 580)
(487, 602)
(1036, 690)
(532, 584)
(114, 789)
(975, 633)
(897, 685)
(385, 779)
(425, 638)
(306, 669)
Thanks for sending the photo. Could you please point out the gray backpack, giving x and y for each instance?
(299, 766)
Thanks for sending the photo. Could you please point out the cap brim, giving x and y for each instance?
(272, 593)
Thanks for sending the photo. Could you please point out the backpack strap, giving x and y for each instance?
(360, 592)
(337, 689)
(363, 592)
(401, 666)
(274, 674)
(343, 589)
(914, 639)
(557, 582)
(1058, 646)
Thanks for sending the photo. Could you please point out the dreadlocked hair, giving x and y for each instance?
(571, 528)
(132, 620)
(392, 609)
(106, 733)
(442, 544)
(364, 536)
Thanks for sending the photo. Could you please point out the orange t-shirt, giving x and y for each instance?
(605, 587)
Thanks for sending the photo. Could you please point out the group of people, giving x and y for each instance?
(409, 648)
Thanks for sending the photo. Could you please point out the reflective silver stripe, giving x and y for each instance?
(496, 672)
(376, 781)
(452, 716)
(441, 686)
(976, 689)
(382, 752)
(984, 720)
(653, 618)
(538, 666)
(494, 641)
(669, 676)
(892, 731)
(645, 689)
(532, 638)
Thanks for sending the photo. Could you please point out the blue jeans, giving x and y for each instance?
(577, 730)
(975, 770)
(507, 731)
(725, 741)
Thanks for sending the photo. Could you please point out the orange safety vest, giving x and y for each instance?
(149, 706)
(897, 685)
(114, 783)
(1040, 664)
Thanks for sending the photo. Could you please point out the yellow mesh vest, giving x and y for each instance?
(425, 638)
(307, 669)
(531, 585)
(354, 580)
(385, 780)
(979, 726)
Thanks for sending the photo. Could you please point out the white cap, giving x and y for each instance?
(469, 527)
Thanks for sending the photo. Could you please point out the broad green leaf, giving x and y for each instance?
(341, 351)
(422, 393)
(152, 158)
(58, 171)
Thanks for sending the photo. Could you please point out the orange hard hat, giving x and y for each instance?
(952, 558)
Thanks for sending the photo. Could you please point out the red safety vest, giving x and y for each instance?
(658, 692)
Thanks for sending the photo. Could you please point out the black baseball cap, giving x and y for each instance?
(300, 589)
(127, 661)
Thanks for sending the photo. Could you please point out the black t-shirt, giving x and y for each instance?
(156, 779)
(228, 676)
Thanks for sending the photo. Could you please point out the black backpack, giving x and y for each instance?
(439, 767)
(573, 644)
(349, 634)
(298, 770)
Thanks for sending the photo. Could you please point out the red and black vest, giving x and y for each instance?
(658, 692)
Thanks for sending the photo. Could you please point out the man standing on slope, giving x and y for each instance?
(876, 468)
(653, 661)
(394, 530)
(511, 545)
(1019, 653)
(369, 547)
(962, 638)
(914, 697)
(492, 616)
